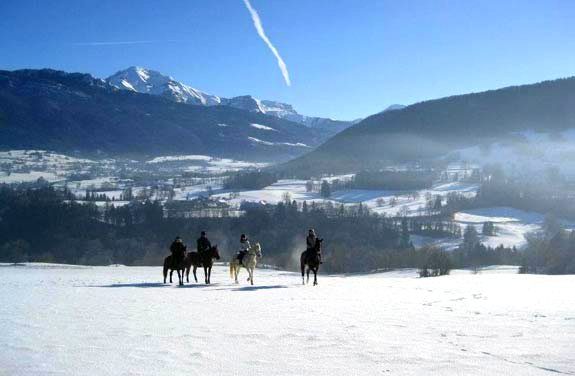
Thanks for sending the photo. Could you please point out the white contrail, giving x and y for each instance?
(262, 34)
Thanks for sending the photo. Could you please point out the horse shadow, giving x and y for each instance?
(254, 288)
(191, 286)
(139, 285)
(196, 285)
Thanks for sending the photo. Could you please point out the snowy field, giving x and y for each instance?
(410, 202)
(511, 227)
(70, 320)
(206, 164)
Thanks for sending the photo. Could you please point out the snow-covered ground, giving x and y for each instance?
(207, 164)
(122, 320)
(28, 177)
(511, 227)
(394, 202)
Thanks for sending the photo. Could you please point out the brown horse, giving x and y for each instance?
(172, 263)
(205, 259)
(311, 258)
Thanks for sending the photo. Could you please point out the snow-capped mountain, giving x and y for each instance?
(59, 111)
(244, 102)
(148, 81)
(143, 80)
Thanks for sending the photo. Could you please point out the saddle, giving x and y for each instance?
(178, 259)
(241, 255)
(310, 254)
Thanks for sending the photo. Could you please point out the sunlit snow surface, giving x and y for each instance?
(122, 320)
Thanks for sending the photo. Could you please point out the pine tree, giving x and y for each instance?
(470, 238)
(404, 237)
(325, 191)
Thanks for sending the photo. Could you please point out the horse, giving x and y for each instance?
(205, 259)
(249, 262)
(170, 263)
(311, 258)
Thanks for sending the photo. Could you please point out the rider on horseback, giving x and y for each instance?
(203, 244)
(244, 247)
(178, 249)
(310, 243)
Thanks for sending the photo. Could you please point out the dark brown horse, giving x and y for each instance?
(205, 259)
(172, 263)
(311, 258)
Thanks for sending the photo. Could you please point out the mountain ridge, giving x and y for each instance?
(148, 81)
(432, 129)
(60, 111)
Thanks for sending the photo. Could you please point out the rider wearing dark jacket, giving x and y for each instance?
(310, 243)
(203, 243)
(178, 249)
(310, 240)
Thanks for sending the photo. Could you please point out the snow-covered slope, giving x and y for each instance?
(123, 320)
(148, 81)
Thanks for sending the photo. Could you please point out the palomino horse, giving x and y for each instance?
(249, 262)
(171, 263)
(205, 259)
(312, 259)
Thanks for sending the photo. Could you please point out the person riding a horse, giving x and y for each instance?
(178, 250)
(203, 244)
(310, 243)
(244, 247)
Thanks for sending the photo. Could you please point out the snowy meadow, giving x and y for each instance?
(70, 320)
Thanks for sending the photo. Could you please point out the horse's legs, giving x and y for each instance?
(165, 273)
(308, 274)
(210, 275)
(236, 272)
(180, 277)
(187, 270)
(252, 276)
(171, 272)
(195, 276)
(315, 276)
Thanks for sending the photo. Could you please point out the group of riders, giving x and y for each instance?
(203, 244)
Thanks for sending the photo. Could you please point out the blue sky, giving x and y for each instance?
(346, 58)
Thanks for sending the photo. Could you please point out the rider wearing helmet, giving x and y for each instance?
(310, 240)
(203, 244)
(244, 247)
(310, 243)
(178, 249)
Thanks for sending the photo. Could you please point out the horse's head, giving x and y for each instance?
(258, 249)
(318, 242)
(215, 252)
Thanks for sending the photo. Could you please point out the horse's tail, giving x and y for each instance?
(166, 266)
